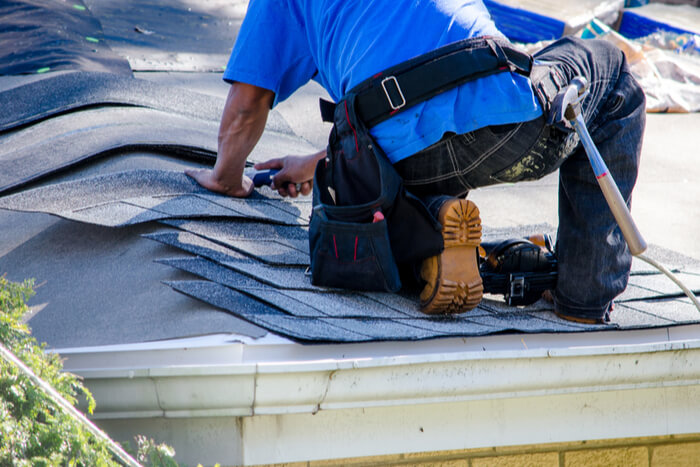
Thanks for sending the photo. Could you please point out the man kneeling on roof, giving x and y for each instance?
(453, 106)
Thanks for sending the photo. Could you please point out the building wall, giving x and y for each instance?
(657, 451)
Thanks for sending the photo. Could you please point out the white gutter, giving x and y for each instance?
(214, 377)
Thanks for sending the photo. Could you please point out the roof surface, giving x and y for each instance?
(98, 211)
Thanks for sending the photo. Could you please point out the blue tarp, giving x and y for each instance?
(522, 25)
(635, 25)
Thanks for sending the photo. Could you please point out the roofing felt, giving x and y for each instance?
(38, 36)
(167, 35)
(102, 286)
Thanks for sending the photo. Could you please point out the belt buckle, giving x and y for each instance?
(398, 88)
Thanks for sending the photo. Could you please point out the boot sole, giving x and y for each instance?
(576, 319)
(454, 284)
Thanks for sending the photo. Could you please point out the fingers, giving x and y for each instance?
(293, 190)
(207, 179)
(306, 188)
(291, 170)
(201, 176)
(276, 163)
(197, 174)
(285, 186)
(281, 180)
(192, 173)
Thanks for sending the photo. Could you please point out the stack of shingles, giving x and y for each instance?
(268, 263)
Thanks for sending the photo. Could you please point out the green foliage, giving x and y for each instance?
(33, 430)
(151, 453)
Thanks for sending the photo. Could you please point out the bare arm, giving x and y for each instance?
(242, 124)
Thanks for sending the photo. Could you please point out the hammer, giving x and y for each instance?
(567, 105)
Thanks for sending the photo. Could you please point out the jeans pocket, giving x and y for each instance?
(545, 156)
(352, 255)
(430, 165)
(615, 103)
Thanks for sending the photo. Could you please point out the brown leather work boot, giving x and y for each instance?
(453, 282)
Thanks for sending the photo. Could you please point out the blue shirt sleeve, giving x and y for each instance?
(271, 50)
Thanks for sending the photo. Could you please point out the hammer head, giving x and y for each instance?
(581, 84)
(566, 104)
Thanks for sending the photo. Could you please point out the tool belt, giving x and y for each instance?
(409, 83)
(364, 223)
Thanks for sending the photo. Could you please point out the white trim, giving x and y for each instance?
(338, 434)
(323, 401)
(207, 377)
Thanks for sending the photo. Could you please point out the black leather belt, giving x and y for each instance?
(398, 88)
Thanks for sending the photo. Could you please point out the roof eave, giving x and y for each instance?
(218, 380)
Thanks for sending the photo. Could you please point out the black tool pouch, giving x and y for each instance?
(364, 223)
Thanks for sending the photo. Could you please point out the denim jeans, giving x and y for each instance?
(594, 261)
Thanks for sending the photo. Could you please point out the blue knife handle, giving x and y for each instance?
(264, 177)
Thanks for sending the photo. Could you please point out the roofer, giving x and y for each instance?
(491, 128)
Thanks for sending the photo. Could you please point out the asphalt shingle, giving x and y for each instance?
(132, 197)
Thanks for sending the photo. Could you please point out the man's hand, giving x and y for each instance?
(208, 180)
(295, 174)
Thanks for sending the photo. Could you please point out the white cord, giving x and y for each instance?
(670, 275)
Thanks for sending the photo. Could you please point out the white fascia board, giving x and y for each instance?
(451, 380)
(245, 388)
(375, 431)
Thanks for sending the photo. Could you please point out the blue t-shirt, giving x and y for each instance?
(282, 44)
